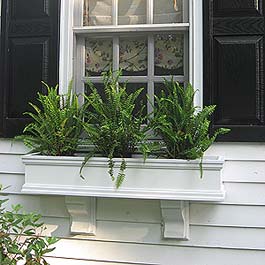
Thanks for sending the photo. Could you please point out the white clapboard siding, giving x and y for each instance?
(200, 236)
(12, 180)
(242, 171)
(128, 210)
(9, 146)
(245, 193)
(53, 206)
(59, 261)
(227, 215)
(11, 163)
(129, 231)
(155, 254)
(200, 213)
(238, 151)
(57, 226)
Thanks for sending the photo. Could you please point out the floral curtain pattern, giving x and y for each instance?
(98, 56)
(169, 51)
(133, 53)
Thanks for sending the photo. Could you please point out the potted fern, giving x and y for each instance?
(114, 126)
(53, 137)
(116, 133)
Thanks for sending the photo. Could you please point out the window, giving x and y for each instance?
(148, 39)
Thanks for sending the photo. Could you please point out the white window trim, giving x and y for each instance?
(67, 31)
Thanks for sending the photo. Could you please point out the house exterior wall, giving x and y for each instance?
(129, 231)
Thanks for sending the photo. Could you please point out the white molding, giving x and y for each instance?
(83, 214)
(169, 179)
(131, 28)
(196, 49)
(175, 219)
(66, 45)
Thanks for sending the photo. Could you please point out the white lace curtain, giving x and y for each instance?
(99, 12)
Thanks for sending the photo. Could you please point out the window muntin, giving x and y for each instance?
(188, 29)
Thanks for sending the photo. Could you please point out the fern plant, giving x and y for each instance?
(56, 126)
(112, 125)
(184, 131)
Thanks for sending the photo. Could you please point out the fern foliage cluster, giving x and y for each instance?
(56, 127)
(112, 125)
(184, 131)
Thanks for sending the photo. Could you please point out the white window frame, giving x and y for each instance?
(67, 43)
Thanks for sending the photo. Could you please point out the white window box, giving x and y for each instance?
(165, 179)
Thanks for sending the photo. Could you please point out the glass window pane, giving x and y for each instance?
(132, 12)
(142, 99)
(97, 12)
(168, 11)
(98, 56)
(169, 54)
(133, 56)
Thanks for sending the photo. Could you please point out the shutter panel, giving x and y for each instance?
(234, 67)
(29, 54)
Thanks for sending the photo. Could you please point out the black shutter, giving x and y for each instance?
(29, 54)
(234, 67)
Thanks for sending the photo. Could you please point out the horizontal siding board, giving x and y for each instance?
(10, 146)
(227, 215)
(206, 236)
(238, 151)
(155, 254)
(128, 210)
(11, 163)
(13, 181)
(242, 171)
(52, 206)
(245, 193)
(59, 227)
(60, 261)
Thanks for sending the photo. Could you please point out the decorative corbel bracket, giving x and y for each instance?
(175, 219)
(82, 212)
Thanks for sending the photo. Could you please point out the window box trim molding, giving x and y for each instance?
(167, 179)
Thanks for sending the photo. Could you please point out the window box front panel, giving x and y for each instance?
(168, 179)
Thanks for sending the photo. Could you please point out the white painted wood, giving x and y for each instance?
(196, 49)
(11, 163)
(66, 45)
(245, 193)
(97, 30)
(200, 236)
(147, 211)
(155, 254)
(61, 261)
(83, 214)
(169, 179)
(49, 206)
(175, 219)
(13, 181)
(244, 171)
(116, 209)
(238, 151)
(10, 146)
